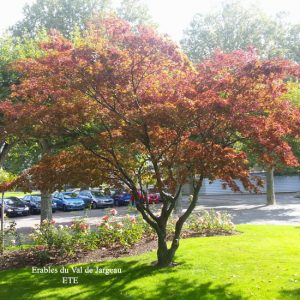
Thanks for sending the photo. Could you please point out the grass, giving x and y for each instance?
(21, 247)
(16, 194)
(262, 263)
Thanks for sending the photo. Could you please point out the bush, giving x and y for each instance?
(210, 222)
(10, 235)
(54, 238)
(114, 232)
(83, 237)
(125, 232)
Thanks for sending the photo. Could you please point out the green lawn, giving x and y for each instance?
(15, 194)
(18, 194)
(262, 263)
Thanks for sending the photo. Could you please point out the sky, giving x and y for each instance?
(172, 15)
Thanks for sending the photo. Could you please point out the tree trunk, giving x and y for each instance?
(4, 150)
(46, 206)
(46, 197)
(178, 204)
(165, 256)
(2, 224)
(271, 200)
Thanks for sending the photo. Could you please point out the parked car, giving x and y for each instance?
(121, 198)
(34, 203)
(67, 201)
(153, 198)
(13, 207)
(76, 191)
(96, 199)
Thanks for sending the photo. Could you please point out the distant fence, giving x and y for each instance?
(282, 184)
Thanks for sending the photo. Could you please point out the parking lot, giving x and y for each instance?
(243, 208)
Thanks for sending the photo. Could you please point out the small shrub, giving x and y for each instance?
(131, 231)
(148, 231)
(54, 238)
(42, 253)
(210, 222)
(171, 225)
(125, 232)
(83, 237)
(10, 235)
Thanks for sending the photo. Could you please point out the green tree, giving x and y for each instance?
(18, 152)
(13, 49)
(135, 11)
(22, 156)
(63, 15)
(234, 27)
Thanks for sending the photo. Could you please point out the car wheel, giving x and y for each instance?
(54, 211)
(64, 208)
(94, 205)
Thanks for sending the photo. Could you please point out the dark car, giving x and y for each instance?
(13, 207)
(34, 203)
(68, 201)
(96, 199)
(121, 198)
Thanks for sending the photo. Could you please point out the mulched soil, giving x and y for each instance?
(14, 259)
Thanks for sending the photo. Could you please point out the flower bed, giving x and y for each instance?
(56, 244)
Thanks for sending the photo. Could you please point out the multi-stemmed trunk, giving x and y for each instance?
(165, 254)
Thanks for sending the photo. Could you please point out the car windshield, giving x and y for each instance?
(13, 202)
(70, 196)
(97, 194)
(36, 198)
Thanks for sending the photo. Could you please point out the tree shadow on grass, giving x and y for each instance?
(129, 285)
(291, 294)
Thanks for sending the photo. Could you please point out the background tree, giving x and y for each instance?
(134, 103)
(236, 27)
(5, 178)
(68, 16)
(11, 50)
(21, 151)
(22, 156)
(63, 15)
(135, 12)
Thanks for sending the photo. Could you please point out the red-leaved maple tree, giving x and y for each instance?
(137, 108)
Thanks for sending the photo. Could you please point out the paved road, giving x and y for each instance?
(243, 208)
(247, 209)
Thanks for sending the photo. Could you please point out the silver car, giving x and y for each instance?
(95, 199)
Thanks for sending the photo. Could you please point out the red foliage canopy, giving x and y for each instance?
(137, 108)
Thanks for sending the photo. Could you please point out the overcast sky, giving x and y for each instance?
(171, 15)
